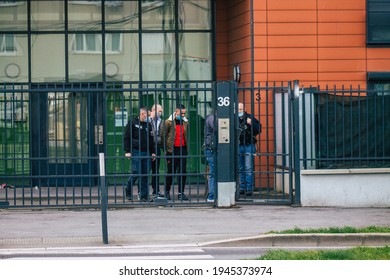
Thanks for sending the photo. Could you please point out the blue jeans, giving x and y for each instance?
(140, 168)
(245, 166)
(210, 161)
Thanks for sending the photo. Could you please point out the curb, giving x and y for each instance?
(306, 240)
(264, 240)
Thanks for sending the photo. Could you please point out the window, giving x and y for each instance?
(7, 44)
(378, 22)
(114, 43)
(108, 3)
(91, 43)
(152, 3)
(379, 83)
(10, 3)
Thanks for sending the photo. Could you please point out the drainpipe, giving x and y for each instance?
(252, 45)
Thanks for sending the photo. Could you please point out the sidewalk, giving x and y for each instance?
(241, 226)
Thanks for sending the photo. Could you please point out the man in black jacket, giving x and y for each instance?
(249, 127)
(139, 144)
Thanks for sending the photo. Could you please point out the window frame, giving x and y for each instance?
(3, 47)
(98, 42)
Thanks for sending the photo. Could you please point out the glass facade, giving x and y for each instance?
(67, 41)
(60, 52)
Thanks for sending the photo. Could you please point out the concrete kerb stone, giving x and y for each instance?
(306, 240)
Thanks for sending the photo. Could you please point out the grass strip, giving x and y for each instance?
(341, 230)
(357, 253)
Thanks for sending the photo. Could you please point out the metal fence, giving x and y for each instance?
(51, 136)
(345, 128)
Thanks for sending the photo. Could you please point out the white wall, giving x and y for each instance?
(346, 187)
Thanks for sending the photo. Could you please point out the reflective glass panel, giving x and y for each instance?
(158, 57)
(47, 58)
(195, 56)
(47, 15)
(13, 15)
(84, 15)
(122, 63)
(121, 15)
(158, 14)
(85, 57)
(13, 58)
(194, 14)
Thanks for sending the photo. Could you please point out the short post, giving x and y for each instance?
(103, 197)
(297, 143)
(226, 146)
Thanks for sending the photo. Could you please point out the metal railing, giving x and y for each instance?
(345, 128)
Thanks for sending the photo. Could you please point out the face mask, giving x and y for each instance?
(159, 114)
(240, 114)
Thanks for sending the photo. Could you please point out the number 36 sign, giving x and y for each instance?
(223, 101)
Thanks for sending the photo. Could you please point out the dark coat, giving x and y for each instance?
(138, 136)
(248, 133)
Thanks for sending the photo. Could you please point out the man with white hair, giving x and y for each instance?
(157, 132)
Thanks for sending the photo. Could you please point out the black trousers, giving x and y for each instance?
(156, 171)
(177, 164)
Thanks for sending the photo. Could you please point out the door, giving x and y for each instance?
(64, 149)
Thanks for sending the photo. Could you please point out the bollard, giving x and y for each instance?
(103, 197)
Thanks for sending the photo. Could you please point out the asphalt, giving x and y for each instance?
(247, 225)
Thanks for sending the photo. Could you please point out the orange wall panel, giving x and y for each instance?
(303, 77)
(341, 4)
(292, 41)
(378, 53)
(342, 53)
(341, 40)
(336, 28)
(378, 65)
(292, 53)
(341, 65)
(291, 16)
(343, 76)
(291, 5)
(341, 16)
(292, 66)
(291, 29)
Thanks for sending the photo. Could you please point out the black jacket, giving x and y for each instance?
(248, 133)
(209, 132)
(138, 136)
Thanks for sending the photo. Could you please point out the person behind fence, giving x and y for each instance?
(139, 146)
(209, 149)
(157, 132)
(176, 143)
(249, 128)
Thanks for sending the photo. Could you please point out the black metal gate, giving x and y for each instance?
(272, 157)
